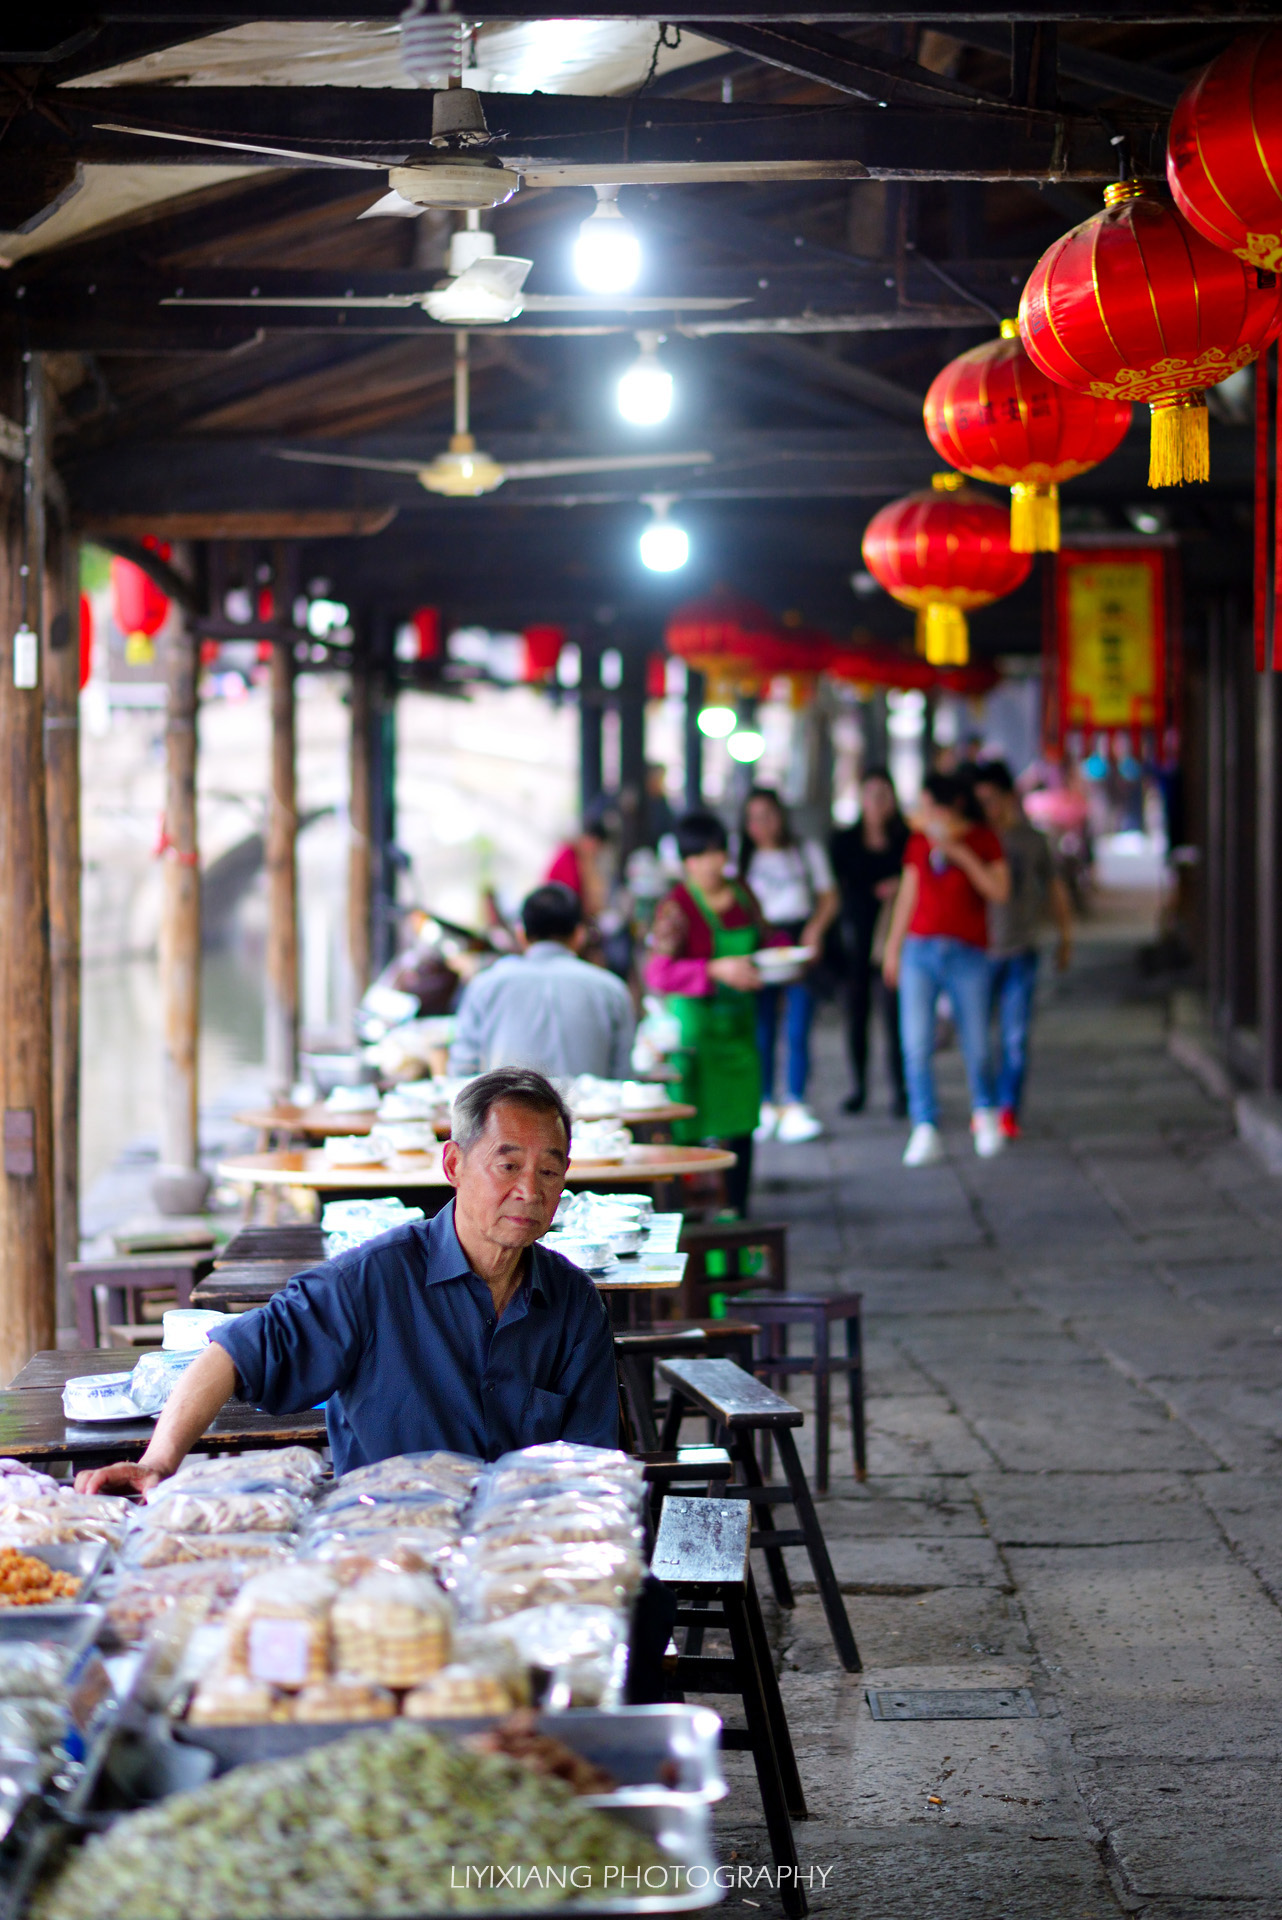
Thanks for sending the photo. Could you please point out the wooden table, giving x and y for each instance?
(33, 1426)
(418, 1179)
(320, 1122)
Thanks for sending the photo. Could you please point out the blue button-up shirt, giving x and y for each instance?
(399, 1337)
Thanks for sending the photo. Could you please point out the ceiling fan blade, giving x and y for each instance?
(618, 463)
(240, 146)
(349, 460)
(488, 290)
(627, 303)
(392, 204)
(375, 301)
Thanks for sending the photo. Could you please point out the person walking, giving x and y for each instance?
(792, 883)
(954, 869)
(701, 945)
(1037, 892)
(867, 860)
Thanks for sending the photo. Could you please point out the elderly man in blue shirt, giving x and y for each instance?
(459, 1332)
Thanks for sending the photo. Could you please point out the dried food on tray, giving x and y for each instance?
(344, 1698)
(261, 1469)
(177, 1509)
(157, 1548)
(349, 1557)
(367, 1824)
(141, 1597)
(233, 1700)
(519, 1738)
(278, 1628)
(26, 1581)
(453, 1474)
(392, 1628)
(61, 1519)
(33, 1669)
(459, 1692)
(584, 1573)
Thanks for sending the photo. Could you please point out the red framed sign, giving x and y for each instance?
(1111, 609)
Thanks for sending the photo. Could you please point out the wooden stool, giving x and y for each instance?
(702, 1553)
(688, 1470)
(735, 1239)
(636, 1352)
(743, 1407)
(128, 1280)
(776, 1312)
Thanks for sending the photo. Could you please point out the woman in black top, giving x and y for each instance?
(867, 860)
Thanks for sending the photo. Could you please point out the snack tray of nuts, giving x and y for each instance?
(84, 1560)
(657, 1755)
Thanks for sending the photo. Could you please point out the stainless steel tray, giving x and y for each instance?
(84, 1558)
(658, 1755)
(75, 1627)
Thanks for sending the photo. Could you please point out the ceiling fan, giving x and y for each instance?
(465, 472)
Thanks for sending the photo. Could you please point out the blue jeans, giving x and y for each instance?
(1014, 983)
(800, 1005)
(927, 968)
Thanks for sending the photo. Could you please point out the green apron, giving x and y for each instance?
(719, 1061)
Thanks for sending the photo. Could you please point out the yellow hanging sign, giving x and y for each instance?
(1111, 638)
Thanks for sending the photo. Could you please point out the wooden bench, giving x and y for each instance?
(303, 1244)
(687, 1470)
(741, 1408)
(635, 1353)
(701, 1553)
(127, 1279)
(776, 1312)
(735, 1240)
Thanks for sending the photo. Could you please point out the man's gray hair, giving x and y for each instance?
(523, 1085)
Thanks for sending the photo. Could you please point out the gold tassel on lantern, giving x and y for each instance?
(1034, 517)
(1180, 440)
(942, 634)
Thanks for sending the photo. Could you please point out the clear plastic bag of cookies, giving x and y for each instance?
(261, 1470)
(173, 1508)
(349, 1557)
(583, 1573)
(140, 1597)
(393, 1629)
(156, 1547)
(233, 1700)
(278, 1627)
(453, 1475)
(344, 1698)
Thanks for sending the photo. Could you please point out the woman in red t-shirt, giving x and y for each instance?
(954, 870)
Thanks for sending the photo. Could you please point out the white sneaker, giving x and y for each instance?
(796, 1122)
(986, 1126)
(924, 1146)
(769, 1120)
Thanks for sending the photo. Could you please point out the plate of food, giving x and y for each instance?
(779, 965)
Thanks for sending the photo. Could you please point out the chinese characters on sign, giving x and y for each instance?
(1110, 639)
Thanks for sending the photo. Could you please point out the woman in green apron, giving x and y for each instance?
(700, 957)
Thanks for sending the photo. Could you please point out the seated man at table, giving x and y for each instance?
(459, 1332)
(546, 1008)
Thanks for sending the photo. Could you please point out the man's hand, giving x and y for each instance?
(736, 970)
(126, 1476)
(890, 967)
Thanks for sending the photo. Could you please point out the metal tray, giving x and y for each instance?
(85, 1558)
(643, 1747)
(75, 1627)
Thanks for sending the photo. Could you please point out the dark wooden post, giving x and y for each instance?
(384, 913)
(180, 912)
(62, 808)
(282, 880)
(696, 688)
(591, 718)
(360, 864)
(632, 796)
(27, 1319)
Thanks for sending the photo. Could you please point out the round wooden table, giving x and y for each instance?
(321, 1122)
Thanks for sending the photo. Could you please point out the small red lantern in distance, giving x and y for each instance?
(137, 603)
(1135, 305)
(944, 552)
(994, 415)
(542, 651)
(1224, 151)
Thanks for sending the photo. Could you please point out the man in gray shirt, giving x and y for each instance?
(1037, 893)
(546, 1008)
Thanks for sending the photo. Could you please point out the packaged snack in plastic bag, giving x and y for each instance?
(233, 1700)
(262, 1470)
(516, 1578)
(393, 1629)
(583, 1649)
(343, 1698)
(565, 1515)
(460, 1692)
(278, 1628)
(60, 1518)
(417, 1513)
(33, 1670)
(452, 1474)
(349, 1557)
(14, 1472)
(140, 1598)
(172, 1508)
(559, 1459)
(32, 1727)
(155, 1547)
(99, 1396)
(154, 1378)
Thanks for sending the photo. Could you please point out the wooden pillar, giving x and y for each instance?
(62, 809)
(632, 797)
(26, 1183)
(282, 880)
(360, 863)
(1215, 854)
(591, 719)
(696, 688)
(180, 912)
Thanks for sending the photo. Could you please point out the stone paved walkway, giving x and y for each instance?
(1075, 1355)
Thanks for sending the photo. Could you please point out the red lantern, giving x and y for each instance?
(1224, 151)
(994, 415)
(86, 640)
(137, 603)
(723, 626)
(944, 553)
(1135, 305)
(542, 651)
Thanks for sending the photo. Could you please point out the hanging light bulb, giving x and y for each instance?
(745, 745)
(717, 722)
(607, 253)
(645, 390)
(664, 546)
